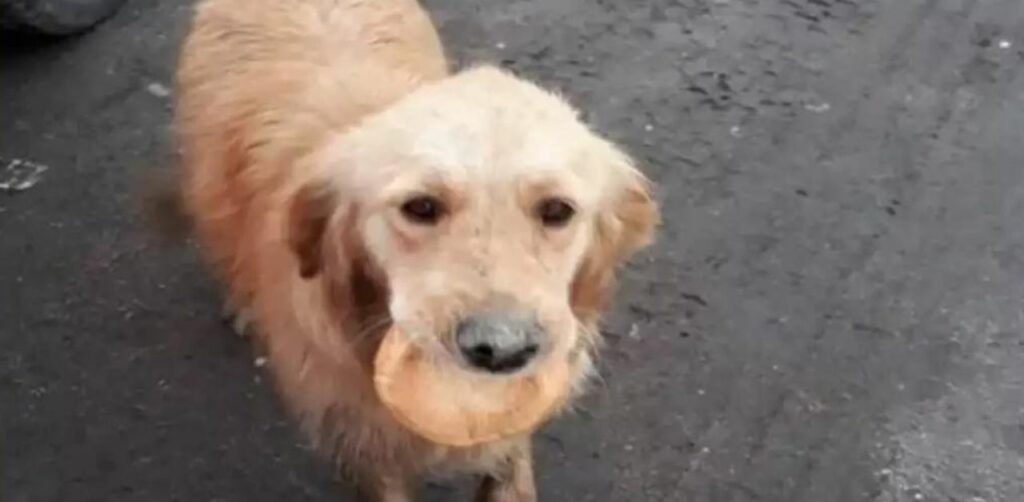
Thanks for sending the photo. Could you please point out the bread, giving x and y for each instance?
(456, 406)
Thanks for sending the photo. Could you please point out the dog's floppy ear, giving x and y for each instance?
(630, 224)
(309, 211)
(621, 229)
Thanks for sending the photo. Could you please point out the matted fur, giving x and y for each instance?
(302, 124)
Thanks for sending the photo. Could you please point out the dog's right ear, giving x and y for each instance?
(309, 212)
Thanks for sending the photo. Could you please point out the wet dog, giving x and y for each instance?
(341, 181)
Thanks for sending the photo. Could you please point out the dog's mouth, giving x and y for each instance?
(448, 404)
(497, 339)
(494, 344)
(483, 359)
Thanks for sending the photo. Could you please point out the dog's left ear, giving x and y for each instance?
(630, 225)
(624, 227)
(309, 211)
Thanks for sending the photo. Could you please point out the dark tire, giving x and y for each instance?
(55, 17)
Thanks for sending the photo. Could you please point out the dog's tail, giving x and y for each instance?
(163, 206)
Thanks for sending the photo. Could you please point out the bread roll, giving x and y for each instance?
(455, 406)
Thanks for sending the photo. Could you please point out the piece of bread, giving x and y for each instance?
(454, 406)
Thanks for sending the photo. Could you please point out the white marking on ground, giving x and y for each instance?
(817, 107)
(19, 175)
(159, 90)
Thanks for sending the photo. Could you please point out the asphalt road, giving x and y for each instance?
(833, 311)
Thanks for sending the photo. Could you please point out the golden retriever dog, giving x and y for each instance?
(341, 181)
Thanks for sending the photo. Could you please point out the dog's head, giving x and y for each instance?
(490, 216)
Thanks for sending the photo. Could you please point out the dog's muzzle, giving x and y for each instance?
(499, 341)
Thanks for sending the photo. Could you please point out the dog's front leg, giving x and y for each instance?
(514, 483)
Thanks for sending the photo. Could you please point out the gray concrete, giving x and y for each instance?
(833, 312)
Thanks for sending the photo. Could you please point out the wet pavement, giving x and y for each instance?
(833, 311)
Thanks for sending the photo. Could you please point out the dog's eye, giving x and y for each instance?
(423, 209)
(555, 212)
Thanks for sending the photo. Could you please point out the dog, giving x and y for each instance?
(341, 180)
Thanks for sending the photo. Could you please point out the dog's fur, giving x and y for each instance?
(303, 125)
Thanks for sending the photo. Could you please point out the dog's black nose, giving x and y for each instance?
(499, 341)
